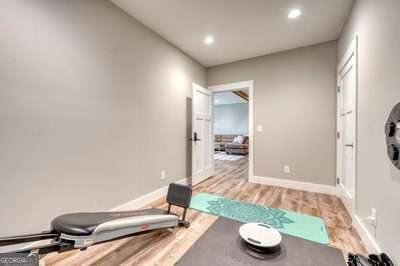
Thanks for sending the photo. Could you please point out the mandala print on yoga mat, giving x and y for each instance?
(247, 212)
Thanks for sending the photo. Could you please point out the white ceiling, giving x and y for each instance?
(241, 28)
(222, 98)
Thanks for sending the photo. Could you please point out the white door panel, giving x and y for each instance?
(347, 127)
(202, 132)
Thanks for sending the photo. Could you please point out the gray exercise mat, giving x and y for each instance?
(221, 245)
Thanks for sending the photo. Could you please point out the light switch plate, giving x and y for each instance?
(260, 128)
(162, 176)
(286, 169)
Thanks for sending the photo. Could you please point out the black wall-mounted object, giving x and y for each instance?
(392, 132)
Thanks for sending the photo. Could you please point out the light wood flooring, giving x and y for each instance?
(167, 246)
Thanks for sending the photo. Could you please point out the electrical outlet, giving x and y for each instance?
(260, 128)
(286, 169)
(162, 176)
(374, 217)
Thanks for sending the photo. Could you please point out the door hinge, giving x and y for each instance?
(338, 135)
(338, 89)
(337, 180)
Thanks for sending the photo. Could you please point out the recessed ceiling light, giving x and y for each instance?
(294, 13)
(209, 40)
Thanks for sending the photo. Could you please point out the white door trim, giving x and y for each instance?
(241, 85)
(349, 54)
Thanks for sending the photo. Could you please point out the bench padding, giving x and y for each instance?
(84, 223)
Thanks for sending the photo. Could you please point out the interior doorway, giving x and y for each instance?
(233, 127)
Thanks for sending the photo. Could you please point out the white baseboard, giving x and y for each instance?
(277, 182)
(146, 199)
(366, 237)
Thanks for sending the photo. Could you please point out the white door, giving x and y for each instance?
(347, 84)
(202, 134)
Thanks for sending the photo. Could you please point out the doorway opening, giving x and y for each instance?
(232, 128)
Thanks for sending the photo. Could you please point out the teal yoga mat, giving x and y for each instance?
(292, 223)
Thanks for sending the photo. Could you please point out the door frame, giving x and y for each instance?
(235, 86)
(352, 51)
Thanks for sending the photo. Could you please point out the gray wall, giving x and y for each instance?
(93, 105)
(231, 119)
(378, 185)
(295, 101)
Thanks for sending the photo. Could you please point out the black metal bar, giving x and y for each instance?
(183, 221)
(12, 240)
(184, 214)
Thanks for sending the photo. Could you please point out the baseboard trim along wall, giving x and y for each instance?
(367, 239)
(277, 182)
(146, 199)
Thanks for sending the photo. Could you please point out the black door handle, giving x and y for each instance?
(195, 137)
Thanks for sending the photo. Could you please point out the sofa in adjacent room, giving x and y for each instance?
(231, 144)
